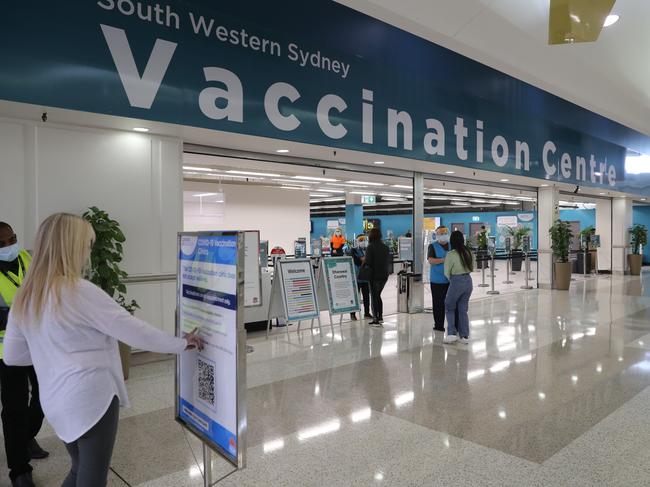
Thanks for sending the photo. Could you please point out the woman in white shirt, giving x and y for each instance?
(68, 328)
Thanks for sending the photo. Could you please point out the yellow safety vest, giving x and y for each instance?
(9, 285)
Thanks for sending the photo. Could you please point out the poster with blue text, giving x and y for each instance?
(207, 379)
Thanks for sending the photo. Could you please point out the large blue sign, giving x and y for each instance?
(315, 72)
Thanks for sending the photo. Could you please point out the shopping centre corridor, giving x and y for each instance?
(552, 390)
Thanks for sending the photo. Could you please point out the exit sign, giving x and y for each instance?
(369, 199)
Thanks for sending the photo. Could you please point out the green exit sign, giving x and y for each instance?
(367, 199)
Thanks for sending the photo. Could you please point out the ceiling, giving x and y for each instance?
(610, 76)
(328, 188)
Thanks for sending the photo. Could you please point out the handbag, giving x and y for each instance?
(365, 273)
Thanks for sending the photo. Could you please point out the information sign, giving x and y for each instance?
(264, 253)
(341, 285)
(526, 244)
(252, 271)
(492, 244)
(211, 384)
(405, 248)
(300, 248)
(508, 243)
(298, 289)
(595, 241)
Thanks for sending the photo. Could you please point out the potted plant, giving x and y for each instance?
(105, 271)
(517, 233)
(561, 236)
(638, 238)
(482, 251)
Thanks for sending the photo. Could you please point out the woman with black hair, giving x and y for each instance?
(459, 264)
(377, 262)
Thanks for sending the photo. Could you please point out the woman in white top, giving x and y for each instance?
(68, 328)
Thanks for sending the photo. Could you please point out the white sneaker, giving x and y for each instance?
(464, 341)
(450, 339)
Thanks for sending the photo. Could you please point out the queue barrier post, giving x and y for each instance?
(492, 291)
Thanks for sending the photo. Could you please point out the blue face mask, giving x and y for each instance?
(443, 239)
(9, 253)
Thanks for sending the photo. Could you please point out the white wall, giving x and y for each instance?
(137, 178)
(621, 224)
(604, 229)
(281, 215)
(547, 213)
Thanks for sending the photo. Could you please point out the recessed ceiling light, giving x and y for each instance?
(504, 180)
(449, 172)
(370, 193)
(601, 194)
(544, 185)
(140, 129)
(253, 173)
(326, 190)
(318, 195)
(292, 181)
(444, 190)
(366, 183)
(402, 186)
(202, 195)
(282, 151)
(378, 162)
(235, 176)
(194, 168)
(611, 20)
(397, 195)
(474, 193)
(312, 178)
(460, 203)
(644, 199)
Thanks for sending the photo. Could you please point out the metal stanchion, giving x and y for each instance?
(527, 271)
(483, 284)
(492, 290)
(508, 260)
(207, 466)
(584, 263)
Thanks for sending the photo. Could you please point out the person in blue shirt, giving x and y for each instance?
(436, 254)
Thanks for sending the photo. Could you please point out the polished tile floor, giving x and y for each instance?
(553, 389)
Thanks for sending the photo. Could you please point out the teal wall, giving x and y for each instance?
(585, 217)
(402, 223)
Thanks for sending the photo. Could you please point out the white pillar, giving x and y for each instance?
(548, 210)
(604, 229)
(621, 223)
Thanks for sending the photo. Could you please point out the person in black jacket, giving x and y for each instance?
(378, 260)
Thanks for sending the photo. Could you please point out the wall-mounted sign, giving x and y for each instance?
(280, 70)
(476, 218)
(526, 217)
(431, 223)
(368, 199)
(507, 221)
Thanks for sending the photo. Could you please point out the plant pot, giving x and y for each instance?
(125, 357)
(562, 275)
(517, 259)
(635, 261)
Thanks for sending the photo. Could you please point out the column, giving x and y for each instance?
(621, 223)
(353, 216)
(418, 237)
(548, 210)
(604, 229)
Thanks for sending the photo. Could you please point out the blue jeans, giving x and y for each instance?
(457, 301)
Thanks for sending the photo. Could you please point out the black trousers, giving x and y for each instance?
(376, 287)
(364, 287)
(22, 416)
(438, 295)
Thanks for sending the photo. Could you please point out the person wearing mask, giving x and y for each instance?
(436, 254)
(358, 255)
(337, 242)
(68, 329)
(22, 416)
(458, 267)
(377, 264)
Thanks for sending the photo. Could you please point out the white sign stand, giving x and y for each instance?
(278, 307)
(325, 295)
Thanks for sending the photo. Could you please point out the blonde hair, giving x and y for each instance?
(62, 249)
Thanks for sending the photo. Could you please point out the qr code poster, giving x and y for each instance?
(205, 387)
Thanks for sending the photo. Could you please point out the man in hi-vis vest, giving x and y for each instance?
(22, 415)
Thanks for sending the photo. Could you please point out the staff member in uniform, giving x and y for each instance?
(68, 328)
(436, 254)
(337, 243)
(22, 416)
